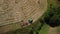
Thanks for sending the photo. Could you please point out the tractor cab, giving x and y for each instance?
(30, 20)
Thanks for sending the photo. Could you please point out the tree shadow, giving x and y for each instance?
(53, 24)
(58, 0)
(52, 21)
(52, 18)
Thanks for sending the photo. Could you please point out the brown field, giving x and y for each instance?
(13, 11)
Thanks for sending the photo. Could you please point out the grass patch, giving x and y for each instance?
(44, 29)
(58, 30)
(55, 11)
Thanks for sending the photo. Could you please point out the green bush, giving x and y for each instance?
(52, 16)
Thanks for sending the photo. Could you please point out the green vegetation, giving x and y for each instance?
(58, 30)
(44, 29)
(52, 15)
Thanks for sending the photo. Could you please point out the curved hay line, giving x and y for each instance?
(13, 11)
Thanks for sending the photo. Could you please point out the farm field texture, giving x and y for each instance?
(17, 10)
(45, 15)
(14, 11)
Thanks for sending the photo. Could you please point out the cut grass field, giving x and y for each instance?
(13, 11)
(44, 29)
(26, 30)
(23, 10)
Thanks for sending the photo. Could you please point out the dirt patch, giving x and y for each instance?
(52, 30)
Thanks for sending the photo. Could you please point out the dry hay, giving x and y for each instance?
(13, 11)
